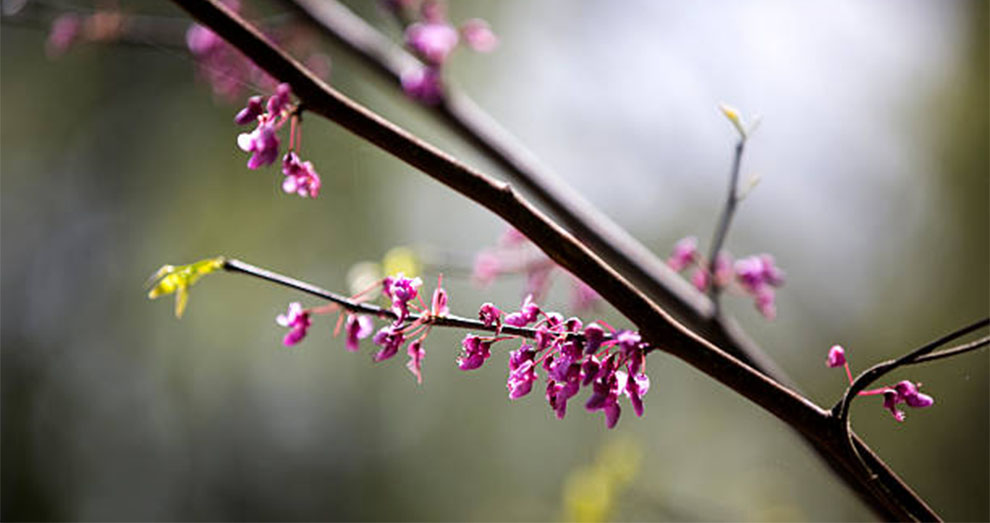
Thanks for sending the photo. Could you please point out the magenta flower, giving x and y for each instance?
(357, 328)
(390, 338)
(766, 302)
(300, 177)
(65, 29)
(636, 386)
(201, 41)
(907, 393)
(756, 272)
(423, 84)
(438, 305)
(490, 315)
(528, 313)
(700, 279)
(476, 351)
(604, 397)
(263, 143)
(836, 356)
(433, 41)
(401, 291)
(723, 269)
(255, 106)
(415, 364)
(297, 320)
(594, 334)
(479, 36)
(685, 253)
(522, 372)
(280, 100)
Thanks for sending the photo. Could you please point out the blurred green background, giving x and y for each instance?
(115, 160)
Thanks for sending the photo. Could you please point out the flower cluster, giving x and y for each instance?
(515, 254)
(263, 142)
(432, 38)
(571, 355)
(757, 276)
(403, 294)
(904, 391)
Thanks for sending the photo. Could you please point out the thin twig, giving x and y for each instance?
(954, 351)
(459, 322)
(657, 327)
(722, 229)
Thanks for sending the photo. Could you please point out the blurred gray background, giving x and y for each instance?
(874, 199)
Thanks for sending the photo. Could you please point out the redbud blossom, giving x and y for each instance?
(65, 29)
(357, 328)
(490, 316)
(685, 253)
(390, 338)
(476, 351)
(255, 106)
(300, 177)
(478, 35)
(415, 364)
(298, 322)
(423, 84)
(836, 357)
(263, 143)
(432, 40)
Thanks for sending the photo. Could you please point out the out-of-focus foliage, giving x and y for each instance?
(874, 199)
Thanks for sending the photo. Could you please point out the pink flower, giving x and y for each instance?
(478, 35)
(766, 302)
(433, 41)
(490, 315)
(201, 41)
(390, 339)
(255, 106)
(415, 364)
(635, 388)
(685, 253)
(300, 177)
(522, 372)
(700, 279)
(836, 357)
(65, 29)
(263, 143)
(593, 337)
(401, 291)
(907, 393)
(423, 84)
(438, 306)
(279, 100)
(723, 269)
(357, 328)
(476, 351)
(298, 322)
(527, 314)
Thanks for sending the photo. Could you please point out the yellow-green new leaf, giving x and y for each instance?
(177, 279)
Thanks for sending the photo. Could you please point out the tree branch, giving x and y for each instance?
(892, 499)
(722, 229)
(238, 266)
